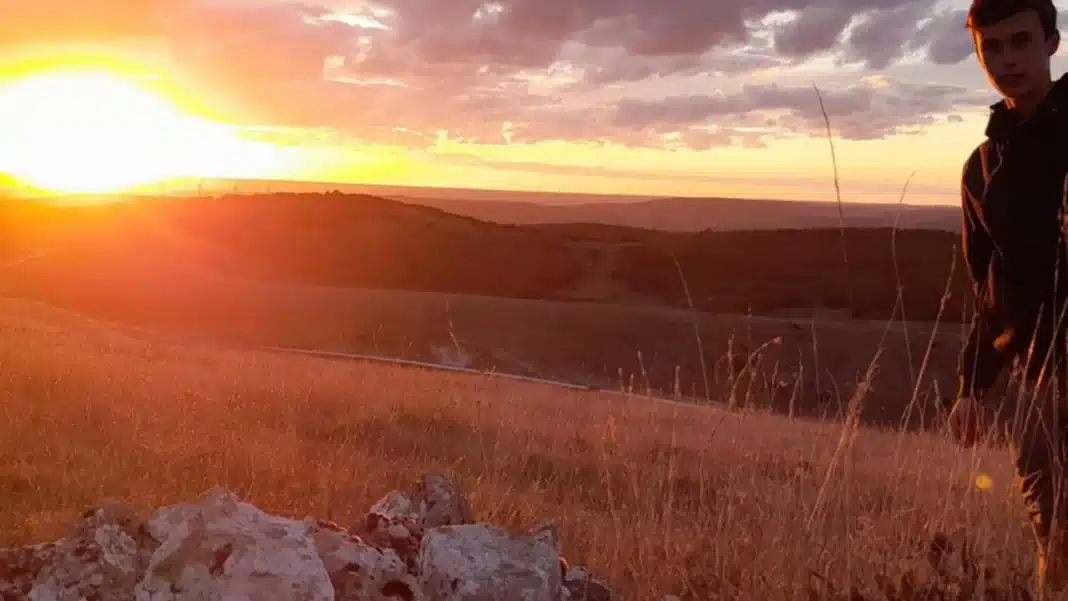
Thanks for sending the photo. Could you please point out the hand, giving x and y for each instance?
(970, 421)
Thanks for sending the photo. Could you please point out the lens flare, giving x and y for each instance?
(94, 131)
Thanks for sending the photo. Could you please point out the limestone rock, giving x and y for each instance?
(582, 586)
(483, 563)
(360, 572)
(219, 548)
(19, 568)
(396, 530)
(396, 505)
(398, 520)
(440, 502)
(435, 501)
(548, 533)
(103, 558)
(421, 545)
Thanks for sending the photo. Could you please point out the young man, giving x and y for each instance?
(1013, 191)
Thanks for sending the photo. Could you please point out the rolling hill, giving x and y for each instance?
(604, 306)
(697, 214)
(354, 241)
(323, 239)
(680, 214)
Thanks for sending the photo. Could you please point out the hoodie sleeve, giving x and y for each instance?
(981, 362)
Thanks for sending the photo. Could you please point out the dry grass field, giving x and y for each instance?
(611, 346)
(656, 498)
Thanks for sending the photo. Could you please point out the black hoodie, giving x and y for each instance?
(1012, 195)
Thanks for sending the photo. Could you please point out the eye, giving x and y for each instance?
(991, 46)
(1021, 40)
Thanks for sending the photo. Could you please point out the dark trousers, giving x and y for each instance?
(1035, 419)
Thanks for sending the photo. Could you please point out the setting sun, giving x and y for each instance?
(86, 132)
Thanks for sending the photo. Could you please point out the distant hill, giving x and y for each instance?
(362, 241)
(323, 239)
(670, 214)
(696, 214)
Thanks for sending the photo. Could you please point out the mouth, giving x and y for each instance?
(1013, 79)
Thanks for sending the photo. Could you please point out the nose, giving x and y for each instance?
(1004, 62)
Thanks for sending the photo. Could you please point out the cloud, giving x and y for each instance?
(876, 37)
(528, 70)
(941, 35)
(289, 42)
(872, 109)
(879, 37)
(811, 31)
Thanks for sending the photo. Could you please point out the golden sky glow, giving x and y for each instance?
(671, 98)
(89, 129)
(98, 128)
(99, 122)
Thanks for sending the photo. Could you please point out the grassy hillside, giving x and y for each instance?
(655, 498)
(369, 242)
(801, 367)
(697, 214)
(356, 241)
(765, 272)
(372, 276)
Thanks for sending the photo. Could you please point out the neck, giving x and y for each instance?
(1025, 106)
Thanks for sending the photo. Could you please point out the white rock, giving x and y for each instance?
(218, 548)
(360, 572)
(435, 501)
(548, 533)
(440, 502)
(484, 563)
(20, 566)
(395, 506)
(399, 532)
(102, 559)
(584, 587)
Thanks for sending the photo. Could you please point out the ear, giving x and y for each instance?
(1053, 43)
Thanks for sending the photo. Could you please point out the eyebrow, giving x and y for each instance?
(1021, 35)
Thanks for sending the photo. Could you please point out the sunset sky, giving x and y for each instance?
(672, 97)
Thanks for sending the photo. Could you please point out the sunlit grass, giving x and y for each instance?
(656, 498)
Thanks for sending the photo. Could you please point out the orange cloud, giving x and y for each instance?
(524, 70)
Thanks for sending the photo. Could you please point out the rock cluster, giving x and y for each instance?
(422, 545)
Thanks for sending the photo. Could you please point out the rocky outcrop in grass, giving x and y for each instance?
(420, 545)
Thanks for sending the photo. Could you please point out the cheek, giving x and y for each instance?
(993, 60)
(1035, 58)
(1040, 54)
(993, 65)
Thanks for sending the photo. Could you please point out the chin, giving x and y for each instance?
(1017, 92)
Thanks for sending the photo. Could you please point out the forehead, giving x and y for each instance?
(1026, 21)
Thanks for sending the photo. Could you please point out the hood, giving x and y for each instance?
(1003, 121)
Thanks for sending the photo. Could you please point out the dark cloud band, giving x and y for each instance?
(475, 68)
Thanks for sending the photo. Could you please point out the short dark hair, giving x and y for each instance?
(988, 12)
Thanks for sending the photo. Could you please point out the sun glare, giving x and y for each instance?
(87, 132)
